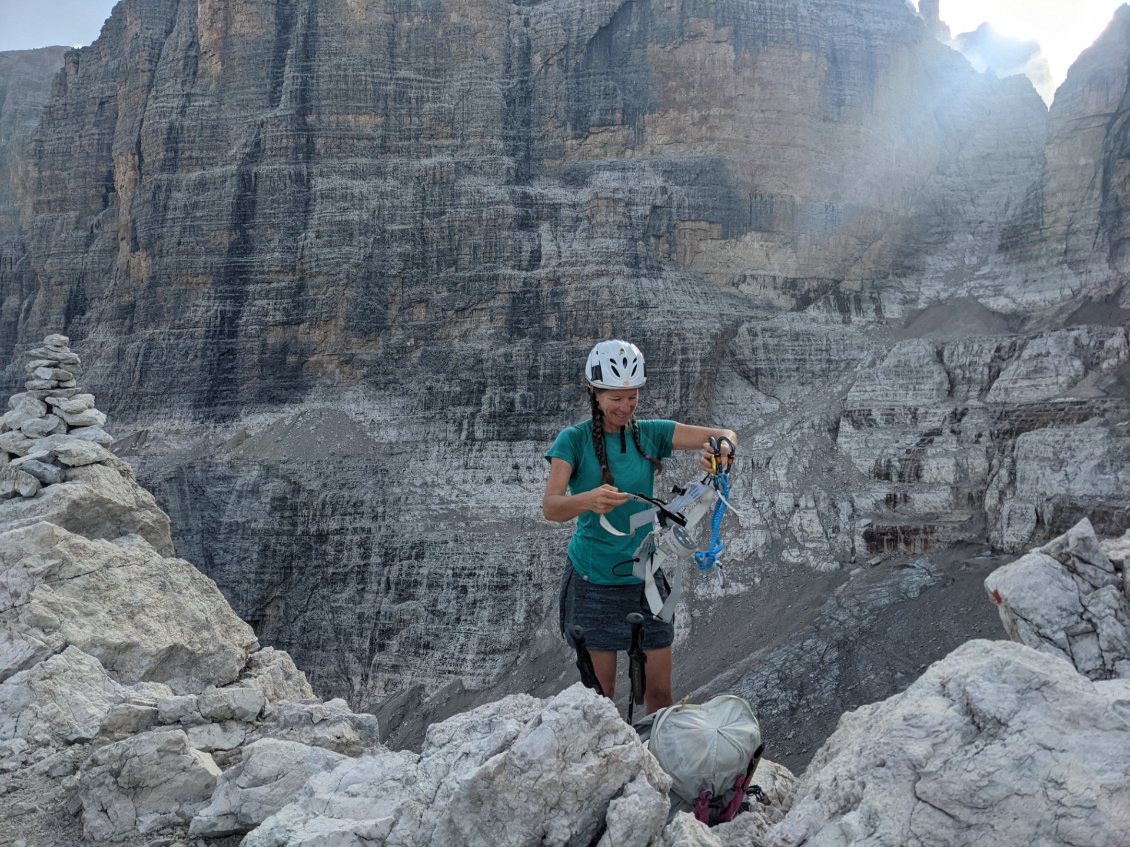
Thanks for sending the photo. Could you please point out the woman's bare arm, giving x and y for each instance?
(559, 505)
(689, 437)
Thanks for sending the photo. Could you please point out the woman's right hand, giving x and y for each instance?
(606, 498)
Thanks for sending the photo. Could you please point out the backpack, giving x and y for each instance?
(710, 751)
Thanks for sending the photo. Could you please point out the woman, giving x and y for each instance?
(593, 466)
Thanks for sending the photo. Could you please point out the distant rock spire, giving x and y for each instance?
(930, 12)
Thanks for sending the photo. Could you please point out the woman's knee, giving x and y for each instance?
(604, 665)
(658, 695)
(659, 690)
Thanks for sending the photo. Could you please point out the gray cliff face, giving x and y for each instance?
(336, 264)
(25, 87)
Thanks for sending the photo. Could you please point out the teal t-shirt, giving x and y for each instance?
(598, 555)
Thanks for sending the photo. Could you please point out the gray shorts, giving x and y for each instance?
(602, 611)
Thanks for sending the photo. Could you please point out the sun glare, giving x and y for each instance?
(1062, 30)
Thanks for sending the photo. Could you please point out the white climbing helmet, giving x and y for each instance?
(615, 364)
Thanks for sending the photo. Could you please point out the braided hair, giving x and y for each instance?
(606, 477)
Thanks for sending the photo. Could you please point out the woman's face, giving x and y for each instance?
(618, 406)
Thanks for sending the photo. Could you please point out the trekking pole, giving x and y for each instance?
(637, 661)
(584, 660)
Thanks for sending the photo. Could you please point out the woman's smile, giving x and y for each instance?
(618, 408)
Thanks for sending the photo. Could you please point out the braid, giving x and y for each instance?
(606, 477)
(658, 465)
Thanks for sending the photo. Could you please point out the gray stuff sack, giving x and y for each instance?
(710, 751)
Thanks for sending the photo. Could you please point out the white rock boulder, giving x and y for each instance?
(268, 778)
(100, 500)
(516, 772)
(143, 616)
(63, 700)
(273, 673)
(996, 744)
(1068, 599)
(146, 783)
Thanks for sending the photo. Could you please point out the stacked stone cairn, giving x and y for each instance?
(52, 426)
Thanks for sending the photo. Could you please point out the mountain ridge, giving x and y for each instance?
(334, 268)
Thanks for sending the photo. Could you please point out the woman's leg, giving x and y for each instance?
(658, 668)
(604, 663)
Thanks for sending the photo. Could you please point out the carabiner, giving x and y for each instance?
(717, 445)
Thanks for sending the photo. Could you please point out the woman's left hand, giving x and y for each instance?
(706, 461)
(688, 437)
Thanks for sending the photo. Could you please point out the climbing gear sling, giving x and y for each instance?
(671, 541)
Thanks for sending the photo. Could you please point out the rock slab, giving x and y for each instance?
(995, 744)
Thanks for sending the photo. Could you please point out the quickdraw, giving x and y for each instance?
(709, 557)
(672, 535)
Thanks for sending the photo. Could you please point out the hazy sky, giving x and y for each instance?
(44, 23)
(1062, 27)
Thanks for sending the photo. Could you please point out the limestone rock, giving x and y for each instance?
(274, 674)
(1067, 204)
(15, 442)
(34, 464)
(332, 725)
(268, 777)
(46, 433)
(75, 405)
(16, 481)
(25, 88)
(62, 700)
(965, 756)
(21, 647)
(114, 604)
(1118, 551)
(572, 749)
(106, 642)
(22, 408)
(101, 500)
(76, 452)
(909, 375)
(41, 427)
(92, 433)
(213, 704)
(1067, 599)
(223, 721)
(1048, 367)
(685, 831)
(144, 784)
(91, 417)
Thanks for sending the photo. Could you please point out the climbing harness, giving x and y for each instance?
(672, 536)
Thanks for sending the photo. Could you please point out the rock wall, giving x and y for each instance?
(333, 268)
(25, 88)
